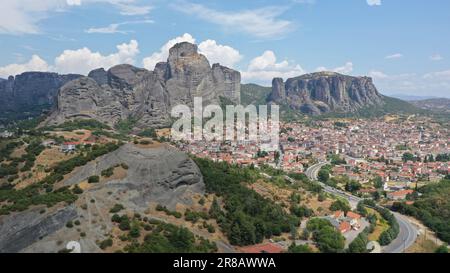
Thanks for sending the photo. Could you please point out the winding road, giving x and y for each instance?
(408, 232)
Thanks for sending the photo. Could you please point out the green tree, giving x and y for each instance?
(328, 239)
(215, 210)
(408, 157)
(442, 249)
(135, 231)
(340, 205)
(182, 239)
(299, 249)
(378, 182)
(359, 244)
(352, 186)
(323, 175)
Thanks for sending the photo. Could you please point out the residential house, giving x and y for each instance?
(69, 146)
(353, 219)
(399, 195)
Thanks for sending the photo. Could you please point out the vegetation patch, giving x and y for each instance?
(247, 217)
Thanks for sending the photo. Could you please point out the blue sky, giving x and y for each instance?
(403, 44)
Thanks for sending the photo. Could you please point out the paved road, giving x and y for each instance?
(313, 171)
(408, 232)
(406, 237)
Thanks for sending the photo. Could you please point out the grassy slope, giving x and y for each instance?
(254, 94)
(258, 95)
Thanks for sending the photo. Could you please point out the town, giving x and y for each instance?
(402, 152)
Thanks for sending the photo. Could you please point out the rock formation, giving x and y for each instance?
(324, 92)
(159, 175)
(125, 91)
(31, 91)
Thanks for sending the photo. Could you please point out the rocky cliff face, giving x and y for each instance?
(31, 90)
(125, 91)
(324, 92)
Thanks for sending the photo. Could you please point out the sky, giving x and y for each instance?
(404, 45)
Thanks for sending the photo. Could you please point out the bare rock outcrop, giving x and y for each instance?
(324, 92)
(125, 91)
(31, 92)
(158, 175)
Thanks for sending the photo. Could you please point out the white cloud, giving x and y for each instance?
(225, 55)
(79, 61)
(264, 68)
(126, 7)
(374, 2)
(429, 84)
(84, 60)
(74, 2)
(34, 64)
(22, 16)
(114, 28)
(436, 57)
(394, 56)
(261, 23)
(132, 10)
(347, 68)
(215, 53)
(377, 74)
(440, 75)
(163, 53)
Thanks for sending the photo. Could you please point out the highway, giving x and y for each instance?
(408, 232)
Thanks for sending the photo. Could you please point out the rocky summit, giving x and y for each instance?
(125, 92)
(324, 92)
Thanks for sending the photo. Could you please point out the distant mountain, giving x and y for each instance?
(411, 97)
(389, 106)
(325, 92)
(441, 105)
(27, 94)
(329, 95)
(144, 98)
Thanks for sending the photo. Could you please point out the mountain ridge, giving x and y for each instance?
(126, 92)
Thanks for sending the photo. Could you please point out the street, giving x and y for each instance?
(408, 232)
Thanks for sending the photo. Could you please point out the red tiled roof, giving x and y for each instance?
(344, 227)
(338, 214)
(353, 215)
(262, 248)
(401, 193)
(71, 143)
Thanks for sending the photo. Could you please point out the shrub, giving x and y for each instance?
(106, 243)
(108, 172)
(69, 224)
(134, 231)
(116, 208)
(77, 190)
(94, 179)
(116, 218)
